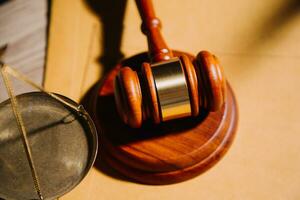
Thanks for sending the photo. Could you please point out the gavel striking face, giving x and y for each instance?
(169, 87)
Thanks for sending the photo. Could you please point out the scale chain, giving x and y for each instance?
(20, 76)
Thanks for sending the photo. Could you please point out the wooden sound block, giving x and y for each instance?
(167, 153)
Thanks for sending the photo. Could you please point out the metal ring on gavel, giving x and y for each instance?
(172, 89)
(179, 87)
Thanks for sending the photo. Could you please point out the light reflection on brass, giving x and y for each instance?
(172, 90)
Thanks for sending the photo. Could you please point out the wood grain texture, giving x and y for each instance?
(128, 97)
(192, 82)
(168, 153)
(206, 89)
(150, 94)
(257, 42)
(158, 49)
(23, 26)
(212, 80)
(210, 77)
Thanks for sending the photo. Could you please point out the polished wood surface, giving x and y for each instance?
(137, 100)
(150, 94)
(128, 97)
(212, 81)
(192, 82)
(167, 153)
(255, 49)
(158, 49)
(206, 89)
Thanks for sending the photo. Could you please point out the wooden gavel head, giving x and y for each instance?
(169, 87)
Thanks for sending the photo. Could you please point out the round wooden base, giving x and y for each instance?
(167, 153)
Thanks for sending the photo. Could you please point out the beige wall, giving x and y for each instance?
(258, 43)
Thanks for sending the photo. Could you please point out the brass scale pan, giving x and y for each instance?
(63, 145)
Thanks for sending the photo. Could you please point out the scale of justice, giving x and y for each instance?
(162, 117)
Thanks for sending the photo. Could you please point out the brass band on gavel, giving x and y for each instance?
(172, 89)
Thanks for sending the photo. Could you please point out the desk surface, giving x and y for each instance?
(258, 43)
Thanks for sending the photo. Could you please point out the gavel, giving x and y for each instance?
(169, 87)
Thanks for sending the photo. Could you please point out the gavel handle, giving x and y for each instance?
(158, 49)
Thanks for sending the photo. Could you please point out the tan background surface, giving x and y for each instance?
(258, 43)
